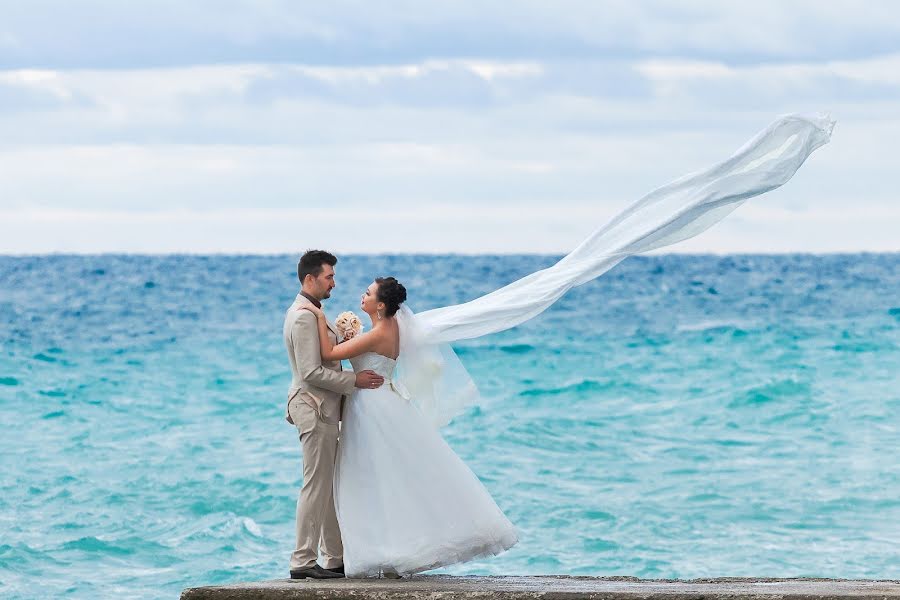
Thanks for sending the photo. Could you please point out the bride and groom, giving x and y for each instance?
(383, 493)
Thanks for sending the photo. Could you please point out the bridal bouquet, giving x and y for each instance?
(348, 325)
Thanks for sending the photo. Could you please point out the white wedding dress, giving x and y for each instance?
(405, 501)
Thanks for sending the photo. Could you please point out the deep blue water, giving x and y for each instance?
(681, 416)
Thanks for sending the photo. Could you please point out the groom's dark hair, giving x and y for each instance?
(311, 263)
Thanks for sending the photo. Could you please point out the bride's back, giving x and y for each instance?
(387, 341)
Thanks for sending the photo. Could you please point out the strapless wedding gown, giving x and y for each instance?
(405, 501)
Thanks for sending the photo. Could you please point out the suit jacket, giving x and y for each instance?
(322, 385)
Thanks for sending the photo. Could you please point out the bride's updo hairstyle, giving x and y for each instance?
(392, 293)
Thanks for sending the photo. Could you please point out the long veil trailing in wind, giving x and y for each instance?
(436, 378)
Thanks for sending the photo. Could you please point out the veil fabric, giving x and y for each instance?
(677, 211)
(432, 375)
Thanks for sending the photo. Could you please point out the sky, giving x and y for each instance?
(467, 126)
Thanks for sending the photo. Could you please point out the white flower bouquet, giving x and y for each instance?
(348, 325)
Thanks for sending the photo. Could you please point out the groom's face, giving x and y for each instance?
(324, 283)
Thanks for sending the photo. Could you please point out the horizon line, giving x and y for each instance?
(226, 254)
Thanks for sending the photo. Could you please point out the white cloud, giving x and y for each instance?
(287, 231)
(58, 34)
(466, 85)
(444, 106)
(545, 229)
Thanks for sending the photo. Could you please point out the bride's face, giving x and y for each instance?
(369, 301)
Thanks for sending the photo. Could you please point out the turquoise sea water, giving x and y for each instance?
(682, 416)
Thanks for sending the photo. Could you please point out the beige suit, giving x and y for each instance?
(314, 406)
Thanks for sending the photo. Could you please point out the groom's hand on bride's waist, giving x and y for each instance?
(369, 379)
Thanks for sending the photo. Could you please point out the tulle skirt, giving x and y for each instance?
(405, 501)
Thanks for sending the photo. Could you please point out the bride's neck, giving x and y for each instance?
(376, 322)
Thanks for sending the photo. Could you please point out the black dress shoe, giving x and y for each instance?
(314, 572)
(339, 569)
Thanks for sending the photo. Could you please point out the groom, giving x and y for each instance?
(314, 406)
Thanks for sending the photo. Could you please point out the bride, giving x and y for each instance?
(405, 502)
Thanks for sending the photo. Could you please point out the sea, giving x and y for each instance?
(682, 416)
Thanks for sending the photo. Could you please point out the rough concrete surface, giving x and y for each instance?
(446, 587)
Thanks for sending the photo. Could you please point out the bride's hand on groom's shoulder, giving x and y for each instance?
(314, 310)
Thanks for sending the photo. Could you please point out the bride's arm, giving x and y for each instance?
(353, 347)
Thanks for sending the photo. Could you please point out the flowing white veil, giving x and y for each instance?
(436, 378)
(432, 373)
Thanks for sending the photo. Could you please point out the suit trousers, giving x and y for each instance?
(317, 525)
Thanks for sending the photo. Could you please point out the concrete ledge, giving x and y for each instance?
(446, 587)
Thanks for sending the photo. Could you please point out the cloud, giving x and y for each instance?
(535, 229)
(459, 84)
(36, 90)
(713, 82)
(582, 107)
(484, 107)
(166, 33)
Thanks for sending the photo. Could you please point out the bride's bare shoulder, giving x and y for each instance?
(385, 338)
